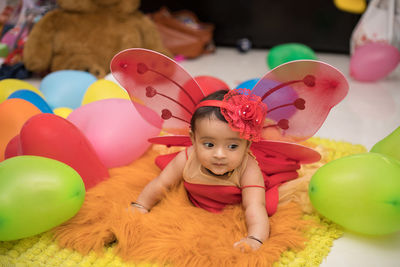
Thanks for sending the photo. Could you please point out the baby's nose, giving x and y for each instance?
(219, 152)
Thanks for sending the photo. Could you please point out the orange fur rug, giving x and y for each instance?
(174, 232)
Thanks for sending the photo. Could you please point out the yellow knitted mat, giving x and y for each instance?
(41, 250)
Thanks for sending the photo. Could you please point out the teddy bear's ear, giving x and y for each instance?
(78, 6)
(119, 6)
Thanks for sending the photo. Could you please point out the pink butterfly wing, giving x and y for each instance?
(161, 84)
(299, 96)
(171, 140)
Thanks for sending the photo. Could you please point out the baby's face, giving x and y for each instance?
(218, 147)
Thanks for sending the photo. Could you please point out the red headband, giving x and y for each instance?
(211, 103)
(244, 112)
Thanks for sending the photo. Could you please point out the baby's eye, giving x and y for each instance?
(207, 144)
(233, 146)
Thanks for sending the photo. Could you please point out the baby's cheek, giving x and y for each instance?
(203, 157)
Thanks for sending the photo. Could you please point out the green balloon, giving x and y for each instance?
(390, 145)
(288, 52)
(36, 194)
(3, 50)
(359, 192)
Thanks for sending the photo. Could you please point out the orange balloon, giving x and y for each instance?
(14, 113)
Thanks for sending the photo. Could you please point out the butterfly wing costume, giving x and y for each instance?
(295, 99)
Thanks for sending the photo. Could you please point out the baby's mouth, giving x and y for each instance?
(219, 164)
(218, 174)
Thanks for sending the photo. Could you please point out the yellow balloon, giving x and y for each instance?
(62, 112)
(9, 86)
(103, 89)
(351, 6)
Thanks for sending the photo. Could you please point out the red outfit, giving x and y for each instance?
(214, 196)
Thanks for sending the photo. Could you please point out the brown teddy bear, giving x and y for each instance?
(86, 34)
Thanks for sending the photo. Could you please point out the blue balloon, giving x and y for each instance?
(249, 84)
(66, 88)
(32, 97)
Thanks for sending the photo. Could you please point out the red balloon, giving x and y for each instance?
(54, 137)
(210, 84)
(13, 148)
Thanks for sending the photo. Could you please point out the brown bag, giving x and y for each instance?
(183, 34)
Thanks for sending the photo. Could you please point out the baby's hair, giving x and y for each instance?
(209, 111)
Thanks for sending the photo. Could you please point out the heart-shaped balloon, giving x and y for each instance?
(13, 114)
(33, 98)
(37, 194)
(360, 192)
(51, 136)
(115, 129)
(13, 148)
(8, 86)
(373, 61)
(389, 145)
(103, 89)
(66, 88)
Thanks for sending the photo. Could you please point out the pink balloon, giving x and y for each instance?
(373, 61)
(116, 130)
(51, 136)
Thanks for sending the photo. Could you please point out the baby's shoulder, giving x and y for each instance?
(252, 163)
(252, 173)
(183, 155)
(177, 164)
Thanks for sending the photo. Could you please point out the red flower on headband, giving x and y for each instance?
(245, 113)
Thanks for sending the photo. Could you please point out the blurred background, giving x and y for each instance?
(317, 24)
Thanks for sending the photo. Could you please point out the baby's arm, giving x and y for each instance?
(154, 191)
(253, 200)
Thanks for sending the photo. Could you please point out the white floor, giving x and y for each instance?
(369, 113)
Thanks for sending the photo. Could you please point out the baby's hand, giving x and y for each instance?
(247, 244)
